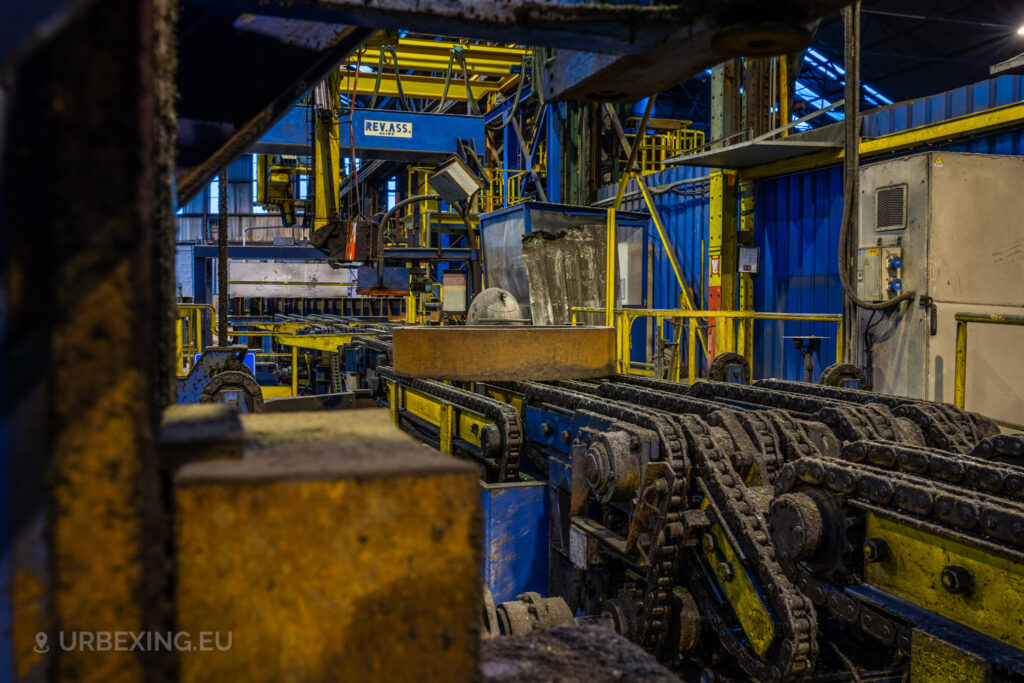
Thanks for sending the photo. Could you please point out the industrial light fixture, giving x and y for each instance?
(1020, 31)
(454, 181)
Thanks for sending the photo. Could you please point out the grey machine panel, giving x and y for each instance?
(954, 225)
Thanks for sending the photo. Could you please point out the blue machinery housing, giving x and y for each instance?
(379, 134)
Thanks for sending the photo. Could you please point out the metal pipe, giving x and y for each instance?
(962, 319)
(960, 379)
(609, 268)
(222, 258)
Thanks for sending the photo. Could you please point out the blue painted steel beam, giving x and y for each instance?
(379, 134)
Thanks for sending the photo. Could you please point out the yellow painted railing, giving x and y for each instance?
(962, 320)
(625, 317)
(661, 145)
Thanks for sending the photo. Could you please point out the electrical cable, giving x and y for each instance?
(354, 185)
(851, 162)
(447, 80)
(515, 101)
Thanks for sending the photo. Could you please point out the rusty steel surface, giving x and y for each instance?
(333, 550)
(501, 353)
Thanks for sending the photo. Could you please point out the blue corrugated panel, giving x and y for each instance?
(797, 227)
(686, 215)
(796, 224)
(515, 538)
(987, 94)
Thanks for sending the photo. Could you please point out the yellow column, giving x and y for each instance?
(327, 159)
(295, 371)
(609, 269)
(722, 257)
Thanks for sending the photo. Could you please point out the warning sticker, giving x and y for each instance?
(938, 161)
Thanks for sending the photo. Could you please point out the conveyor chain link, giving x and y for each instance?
(505, 417)
(795, 652)
(944, 426)
(960, 496)
(681, 434)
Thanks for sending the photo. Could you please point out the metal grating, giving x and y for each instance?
(891, 207)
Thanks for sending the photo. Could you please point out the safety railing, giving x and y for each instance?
(188, 334)
(962, 320)
(665, 144)
(625, 317)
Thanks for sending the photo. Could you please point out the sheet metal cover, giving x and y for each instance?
(503, 353)
(747, 154)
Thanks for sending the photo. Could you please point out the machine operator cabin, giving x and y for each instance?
(513, 341)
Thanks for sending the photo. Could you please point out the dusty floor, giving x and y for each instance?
(572, 653)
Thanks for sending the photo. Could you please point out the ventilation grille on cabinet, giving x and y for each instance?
(891, 207)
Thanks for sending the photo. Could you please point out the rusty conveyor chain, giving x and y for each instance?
(505, 418)
(795, 651)
(945, 426)
(922, 488)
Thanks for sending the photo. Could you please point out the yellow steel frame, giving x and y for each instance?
(746, 602)
(913, 569)
(425, 87)
(432, 56)
(625, 317)
(453, 422)
(656, 147)
(962, 320)
(991, 119)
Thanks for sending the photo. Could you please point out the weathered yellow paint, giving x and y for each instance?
(740, 591)
(447, 428)
(352, 558)
(513, 399)
(469, 426)
(420, 405)
(316, 342)
(96, 477)
(913, 571)
(453, 421)
(28, 616)
(275, 392)
(936, 661)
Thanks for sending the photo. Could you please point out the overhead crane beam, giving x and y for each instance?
(426, 87)
(433, 56)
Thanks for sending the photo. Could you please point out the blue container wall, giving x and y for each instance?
(796, 224)
(987, 94)
(685, 211)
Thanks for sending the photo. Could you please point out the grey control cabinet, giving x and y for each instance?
(950, 227)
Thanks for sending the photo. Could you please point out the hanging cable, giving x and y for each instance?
(354, 185)
(515, 101)
(472, 108)
(447, 77)
(851, 162)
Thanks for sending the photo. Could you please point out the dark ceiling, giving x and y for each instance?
(914, 48)
(910, 49)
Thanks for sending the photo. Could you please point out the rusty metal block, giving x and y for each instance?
(345, 553)
(492, 352)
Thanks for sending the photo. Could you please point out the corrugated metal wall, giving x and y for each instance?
(994, 92)
(797, 227)
(685, 211)
(797, 218)
(240, 212)
(796, 224)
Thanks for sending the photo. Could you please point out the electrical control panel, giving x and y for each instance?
(879, 273)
